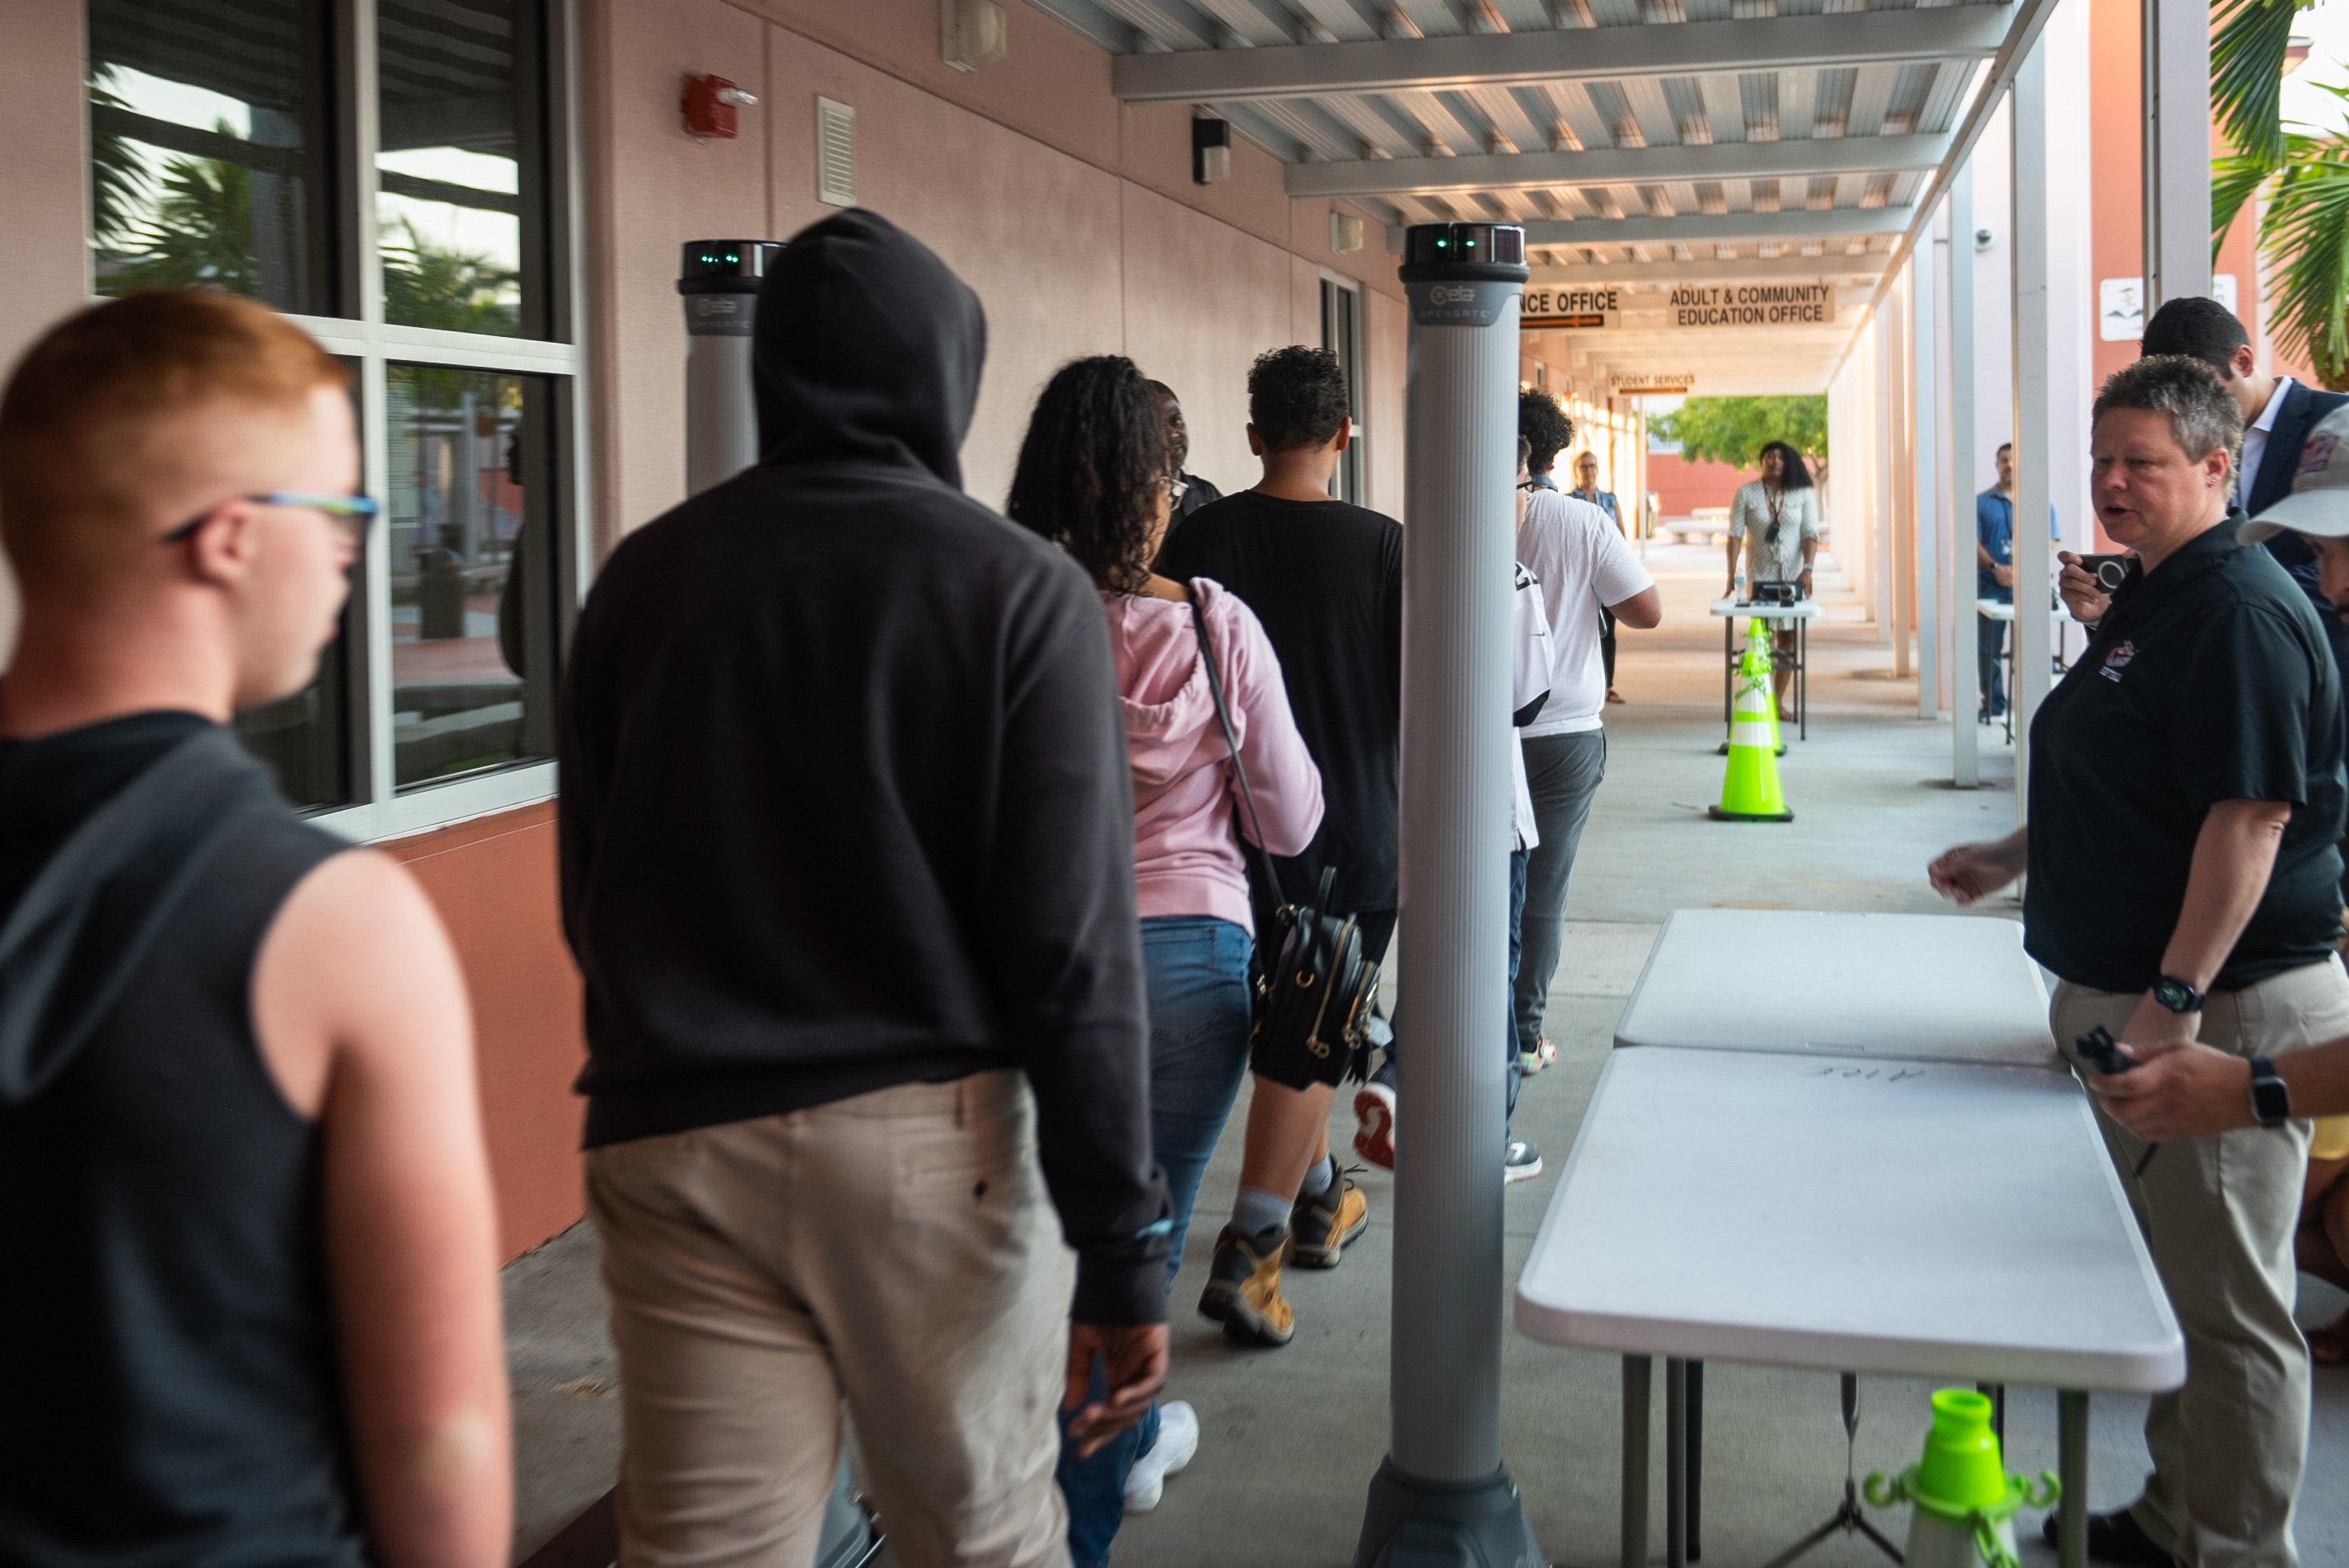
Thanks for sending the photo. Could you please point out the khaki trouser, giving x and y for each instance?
(895, 1251)
(2218, 1216)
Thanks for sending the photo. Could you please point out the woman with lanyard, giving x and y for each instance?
(1775, 522)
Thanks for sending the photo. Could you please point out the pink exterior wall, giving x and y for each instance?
(1074, 218)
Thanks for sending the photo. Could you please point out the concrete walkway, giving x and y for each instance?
(1291, 1437)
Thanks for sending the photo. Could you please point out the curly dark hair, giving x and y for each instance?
(1546, 428)
(1795, 475)
(1297, 398)
(1091, 467)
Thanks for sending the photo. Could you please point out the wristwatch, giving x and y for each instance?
(2177, 995)
(2270, 1095)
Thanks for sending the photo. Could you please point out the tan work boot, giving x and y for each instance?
(1243, 1290)
(1319, 1228)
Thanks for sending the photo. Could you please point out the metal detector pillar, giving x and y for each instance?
(719, 280)
(1442, 1499)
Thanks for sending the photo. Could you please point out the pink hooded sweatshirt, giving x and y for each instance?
(1186, 795)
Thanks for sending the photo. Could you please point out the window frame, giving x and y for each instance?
(1350, 480)
(378, 809)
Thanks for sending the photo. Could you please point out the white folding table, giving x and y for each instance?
(1940, 987)
(2060, 621)
(1940, 1220)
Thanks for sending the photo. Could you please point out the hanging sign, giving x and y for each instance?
(1654, 383)
(1574, 308)
(1705, 305)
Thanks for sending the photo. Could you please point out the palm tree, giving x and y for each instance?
(200, 233)
(427, 286)
(2304, 230)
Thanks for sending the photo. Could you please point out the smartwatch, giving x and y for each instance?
(2177, 995)
(2270, 1095)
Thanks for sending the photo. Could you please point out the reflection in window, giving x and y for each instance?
(209, 150)
(459, 171)
(471, 552)
(301, 737)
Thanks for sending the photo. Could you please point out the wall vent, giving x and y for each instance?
(835, 154)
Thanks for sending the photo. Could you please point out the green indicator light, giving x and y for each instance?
(732, 258)
(1470, 244)
(1442, 244)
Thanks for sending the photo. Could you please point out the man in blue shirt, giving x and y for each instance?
(1994, 577)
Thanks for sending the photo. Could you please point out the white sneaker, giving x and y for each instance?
(1178, 1439)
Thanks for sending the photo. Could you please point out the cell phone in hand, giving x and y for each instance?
(2110, 571)
(2097, 1050)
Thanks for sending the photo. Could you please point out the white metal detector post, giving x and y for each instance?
(1443, 1498)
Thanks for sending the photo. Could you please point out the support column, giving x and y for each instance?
(1899, 519)
(2177, 98)
(1956, 251)
(1924, 437)
(1890, 621)
(2033, 564)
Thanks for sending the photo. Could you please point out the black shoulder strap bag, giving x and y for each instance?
(1315, 988)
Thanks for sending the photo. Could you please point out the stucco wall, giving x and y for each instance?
(1075, 219)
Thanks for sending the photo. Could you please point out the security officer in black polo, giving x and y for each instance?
(2187, 792)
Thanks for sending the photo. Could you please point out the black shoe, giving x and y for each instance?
(2117, 1538)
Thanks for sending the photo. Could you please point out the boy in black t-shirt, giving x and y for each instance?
(1325, 578)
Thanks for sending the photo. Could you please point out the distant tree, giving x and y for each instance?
(1732, 430)
(425, 285)
(118, 180)
(197, 232)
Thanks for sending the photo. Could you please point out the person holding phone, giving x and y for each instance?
(2185, 797)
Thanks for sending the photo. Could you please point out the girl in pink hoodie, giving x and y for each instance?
(1095, 476)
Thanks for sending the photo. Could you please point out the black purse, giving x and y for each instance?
(1316, 988)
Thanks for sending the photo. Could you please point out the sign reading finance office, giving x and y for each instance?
(1572, 309)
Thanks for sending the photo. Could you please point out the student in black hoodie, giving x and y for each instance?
(252, 1309)
(848, 865)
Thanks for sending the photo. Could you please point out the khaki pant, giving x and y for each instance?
(895, 1252)
(2218, 1216)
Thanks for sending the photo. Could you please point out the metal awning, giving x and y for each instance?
(1648, 146)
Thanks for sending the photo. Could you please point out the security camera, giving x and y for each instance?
(1985, 239)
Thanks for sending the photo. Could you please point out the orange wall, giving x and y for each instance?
(1681, 486)
(494, 883)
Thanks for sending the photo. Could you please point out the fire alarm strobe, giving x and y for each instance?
(709, 107)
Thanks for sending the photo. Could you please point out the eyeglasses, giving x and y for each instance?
(355, 513)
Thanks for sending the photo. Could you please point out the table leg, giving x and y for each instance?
(1636, 1402)
(1996, 1394)
(2071, 1469)
(1803, 679)
(1695, 1458)
(1728, 667)
(1675, 1464)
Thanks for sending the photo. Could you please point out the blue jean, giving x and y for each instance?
(1197, 969)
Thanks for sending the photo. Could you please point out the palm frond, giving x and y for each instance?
(2306, 236)
(2247, 59)
(2235, 177)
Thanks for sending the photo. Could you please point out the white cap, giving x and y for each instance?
(2319, 502)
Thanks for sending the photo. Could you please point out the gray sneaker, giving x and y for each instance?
(1522, 1162)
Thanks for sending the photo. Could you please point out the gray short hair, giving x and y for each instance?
(2203, 416)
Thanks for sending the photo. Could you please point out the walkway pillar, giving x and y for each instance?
(2177, 99)
(1900, 516)
(2034, 561)
(1924, 438)
(1957, 256)
(1442, 1499)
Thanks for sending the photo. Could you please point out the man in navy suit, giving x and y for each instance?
(2278, 414)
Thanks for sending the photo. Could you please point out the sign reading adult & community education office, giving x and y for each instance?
(1754, 304)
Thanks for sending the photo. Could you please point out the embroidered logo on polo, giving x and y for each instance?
(2118, 661)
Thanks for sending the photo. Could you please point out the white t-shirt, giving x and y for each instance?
(1529, 677)
(1583, 563)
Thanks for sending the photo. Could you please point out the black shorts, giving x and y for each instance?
(1290, 1064)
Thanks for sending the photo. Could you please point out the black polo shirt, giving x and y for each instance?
(2208, 680)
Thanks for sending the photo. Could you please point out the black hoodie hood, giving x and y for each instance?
(868, 350)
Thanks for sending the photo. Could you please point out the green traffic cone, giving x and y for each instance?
(1750, 791)
(1964, 1502)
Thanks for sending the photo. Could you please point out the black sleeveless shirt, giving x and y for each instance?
(169, 1389)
